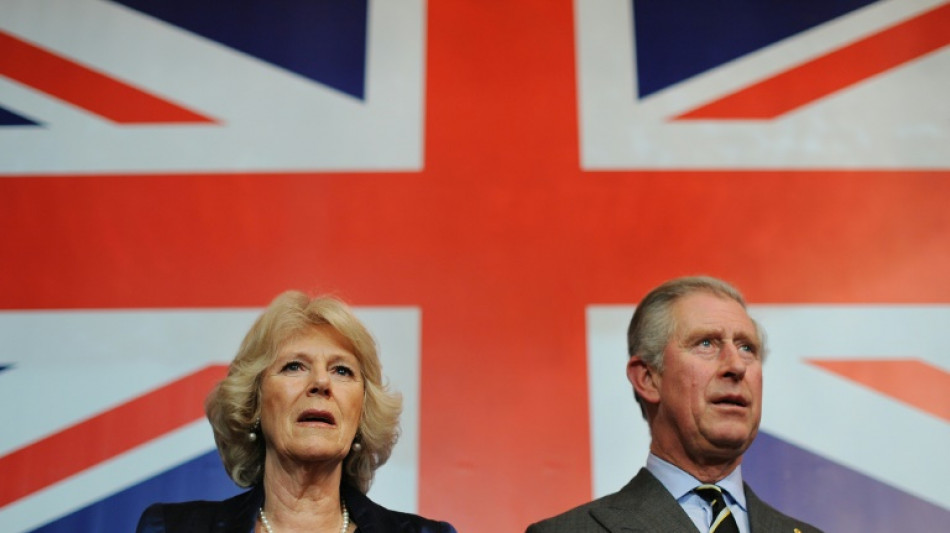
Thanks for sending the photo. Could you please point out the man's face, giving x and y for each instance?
(710, 391)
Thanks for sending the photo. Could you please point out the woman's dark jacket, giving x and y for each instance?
(239, 515)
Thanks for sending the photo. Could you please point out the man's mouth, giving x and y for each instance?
(737, 401)
(313, 415)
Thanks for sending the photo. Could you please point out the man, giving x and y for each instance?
(696, 369)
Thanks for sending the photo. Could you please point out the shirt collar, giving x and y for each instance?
(680, 484)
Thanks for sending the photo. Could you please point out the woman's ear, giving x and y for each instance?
(645, 380)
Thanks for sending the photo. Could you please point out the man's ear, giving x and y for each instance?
(645, 380)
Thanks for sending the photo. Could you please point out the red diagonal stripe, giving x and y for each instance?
(911, 381)
(85, 88)
(104, 436)
(833, 72)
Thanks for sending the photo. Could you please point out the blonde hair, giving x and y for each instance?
(234, 406)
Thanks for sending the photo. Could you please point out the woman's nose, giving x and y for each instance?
(320, 384)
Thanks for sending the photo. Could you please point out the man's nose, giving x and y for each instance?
(733, 363)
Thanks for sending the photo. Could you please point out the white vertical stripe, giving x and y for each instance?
(828, 415)
(70, 365)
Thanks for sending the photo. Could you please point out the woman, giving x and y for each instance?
(304, 419)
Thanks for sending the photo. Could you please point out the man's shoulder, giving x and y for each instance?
(764, 517)
(578, 519)
(643, 502)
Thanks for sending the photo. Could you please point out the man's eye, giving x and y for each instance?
(705, 343)
(750, 349)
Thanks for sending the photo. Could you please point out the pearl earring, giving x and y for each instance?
(357, 446)
(252, 435)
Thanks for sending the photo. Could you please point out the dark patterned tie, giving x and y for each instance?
(723, 521)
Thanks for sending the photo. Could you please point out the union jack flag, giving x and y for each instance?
(144, 86)
(493, 187)
(748, 85)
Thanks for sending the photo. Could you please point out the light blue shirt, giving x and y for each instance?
(681, 485)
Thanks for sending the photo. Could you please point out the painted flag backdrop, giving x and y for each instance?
(493, 186)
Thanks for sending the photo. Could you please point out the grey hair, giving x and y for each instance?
(653, 323)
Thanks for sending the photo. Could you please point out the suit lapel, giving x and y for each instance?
(644, 504)
(762, 517)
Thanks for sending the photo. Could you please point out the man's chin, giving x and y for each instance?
(733, 442)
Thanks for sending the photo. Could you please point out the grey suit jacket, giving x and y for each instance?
(644, 505)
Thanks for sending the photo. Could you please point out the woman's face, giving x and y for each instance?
(312, 398)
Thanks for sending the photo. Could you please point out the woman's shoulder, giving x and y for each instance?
(371, 517)
(236, 513)
(408, 522)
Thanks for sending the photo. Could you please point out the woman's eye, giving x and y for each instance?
(341, 370)
(292, 366)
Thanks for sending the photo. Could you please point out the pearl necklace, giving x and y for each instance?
(346, 519)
